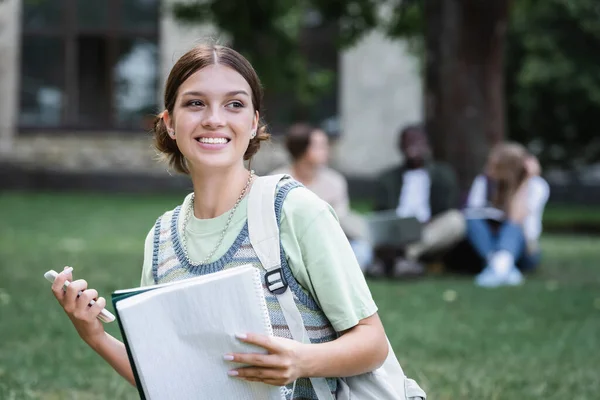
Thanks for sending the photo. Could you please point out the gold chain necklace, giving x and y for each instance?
(188, 216)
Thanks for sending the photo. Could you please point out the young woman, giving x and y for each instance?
(504, 215)
(211, 124)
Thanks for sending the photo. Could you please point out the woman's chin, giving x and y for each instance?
(214, 161)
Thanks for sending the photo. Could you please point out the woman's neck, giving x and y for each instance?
(216, 192)
(304, 172)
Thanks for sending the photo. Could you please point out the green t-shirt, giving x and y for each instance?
(316, 248)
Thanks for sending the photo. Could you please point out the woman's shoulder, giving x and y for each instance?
(334, 176)
(167, 216)
(301, 203)
(300, 198)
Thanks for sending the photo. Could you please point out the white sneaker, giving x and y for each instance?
(489, 278)
(514, 277)
(375, 270)
(407, 268)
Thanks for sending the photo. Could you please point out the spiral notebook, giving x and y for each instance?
(176, 335)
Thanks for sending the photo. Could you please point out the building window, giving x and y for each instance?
(89, 64)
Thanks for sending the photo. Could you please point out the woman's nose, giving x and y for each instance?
(213, 118)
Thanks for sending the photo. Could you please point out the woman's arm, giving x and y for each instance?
(369, 350)
(85, 321)
(322, 261)
(113, 352)
(477, 193)
(539, 192)
(360, 349)
(518, 207)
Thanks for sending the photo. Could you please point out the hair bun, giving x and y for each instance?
(254, 145)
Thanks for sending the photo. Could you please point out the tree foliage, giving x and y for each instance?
(553, 79)
(552, 58)
(268, 33)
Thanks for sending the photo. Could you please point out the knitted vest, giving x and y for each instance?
(169, 264)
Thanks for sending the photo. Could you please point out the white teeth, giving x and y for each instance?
(213, 140)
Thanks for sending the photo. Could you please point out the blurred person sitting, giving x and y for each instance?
(422, 189)
(504, 215)
(308, 147)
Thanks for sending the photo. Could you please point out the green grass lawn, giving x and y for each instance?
(539, 341)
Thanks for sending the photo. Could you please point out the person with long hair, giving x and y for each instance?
(504, 215)
(210, 126)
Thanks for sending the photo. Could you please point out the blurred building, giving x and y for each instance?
(81, 81)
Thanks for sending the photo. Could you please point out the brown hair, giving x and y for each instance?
(297, 139)
(194, 60)
(507, 161)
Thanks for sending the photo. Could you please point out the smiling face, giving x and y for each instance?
(213, 118)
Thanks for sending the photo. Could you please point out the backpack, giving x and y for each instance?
(388, 382)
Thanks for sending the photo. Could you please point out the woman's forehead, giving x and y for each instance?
(215, 79)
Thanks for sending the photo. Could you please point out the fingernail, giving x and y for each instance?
(68, 270)
(241, 336)
(232, 373)
(228, 357)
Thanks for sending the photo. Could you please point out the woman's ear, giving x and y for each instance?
(255, 121)
(168, 121)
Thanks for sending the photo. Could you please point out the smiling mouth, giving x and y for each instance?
(213, 140)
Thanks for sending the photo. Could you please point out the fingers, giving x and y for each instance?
(254, 359)
(82, 304)
(257, 373)
(77, 300)
(70, 297)
(276, 368)
(97, 307)
(59, 282)
(273, 382)
(267, 342)
(269, 376)
(85, 298)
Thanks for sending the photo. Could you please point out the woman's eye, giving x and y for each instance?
(195, 103)
(235, 104)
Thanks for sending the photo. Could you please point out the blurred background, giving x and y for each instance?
(80, 184)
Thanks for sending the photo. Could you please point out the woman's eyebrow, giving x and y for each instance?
(228, 94)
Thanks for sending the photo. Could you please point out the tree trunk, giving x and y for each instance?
(464, 86)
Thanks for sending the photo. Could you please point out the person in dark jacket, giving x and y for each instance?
(423, 189)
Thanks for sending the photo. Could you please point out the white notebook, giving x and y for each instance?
(178, 333)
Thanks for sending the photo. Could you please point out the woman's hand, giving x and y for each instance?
(359, 349)
(532, 166)
(280, 367)
(83, 317)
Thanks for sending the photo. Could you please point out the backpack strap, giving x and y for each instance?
(263, 228)
(263, 231)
